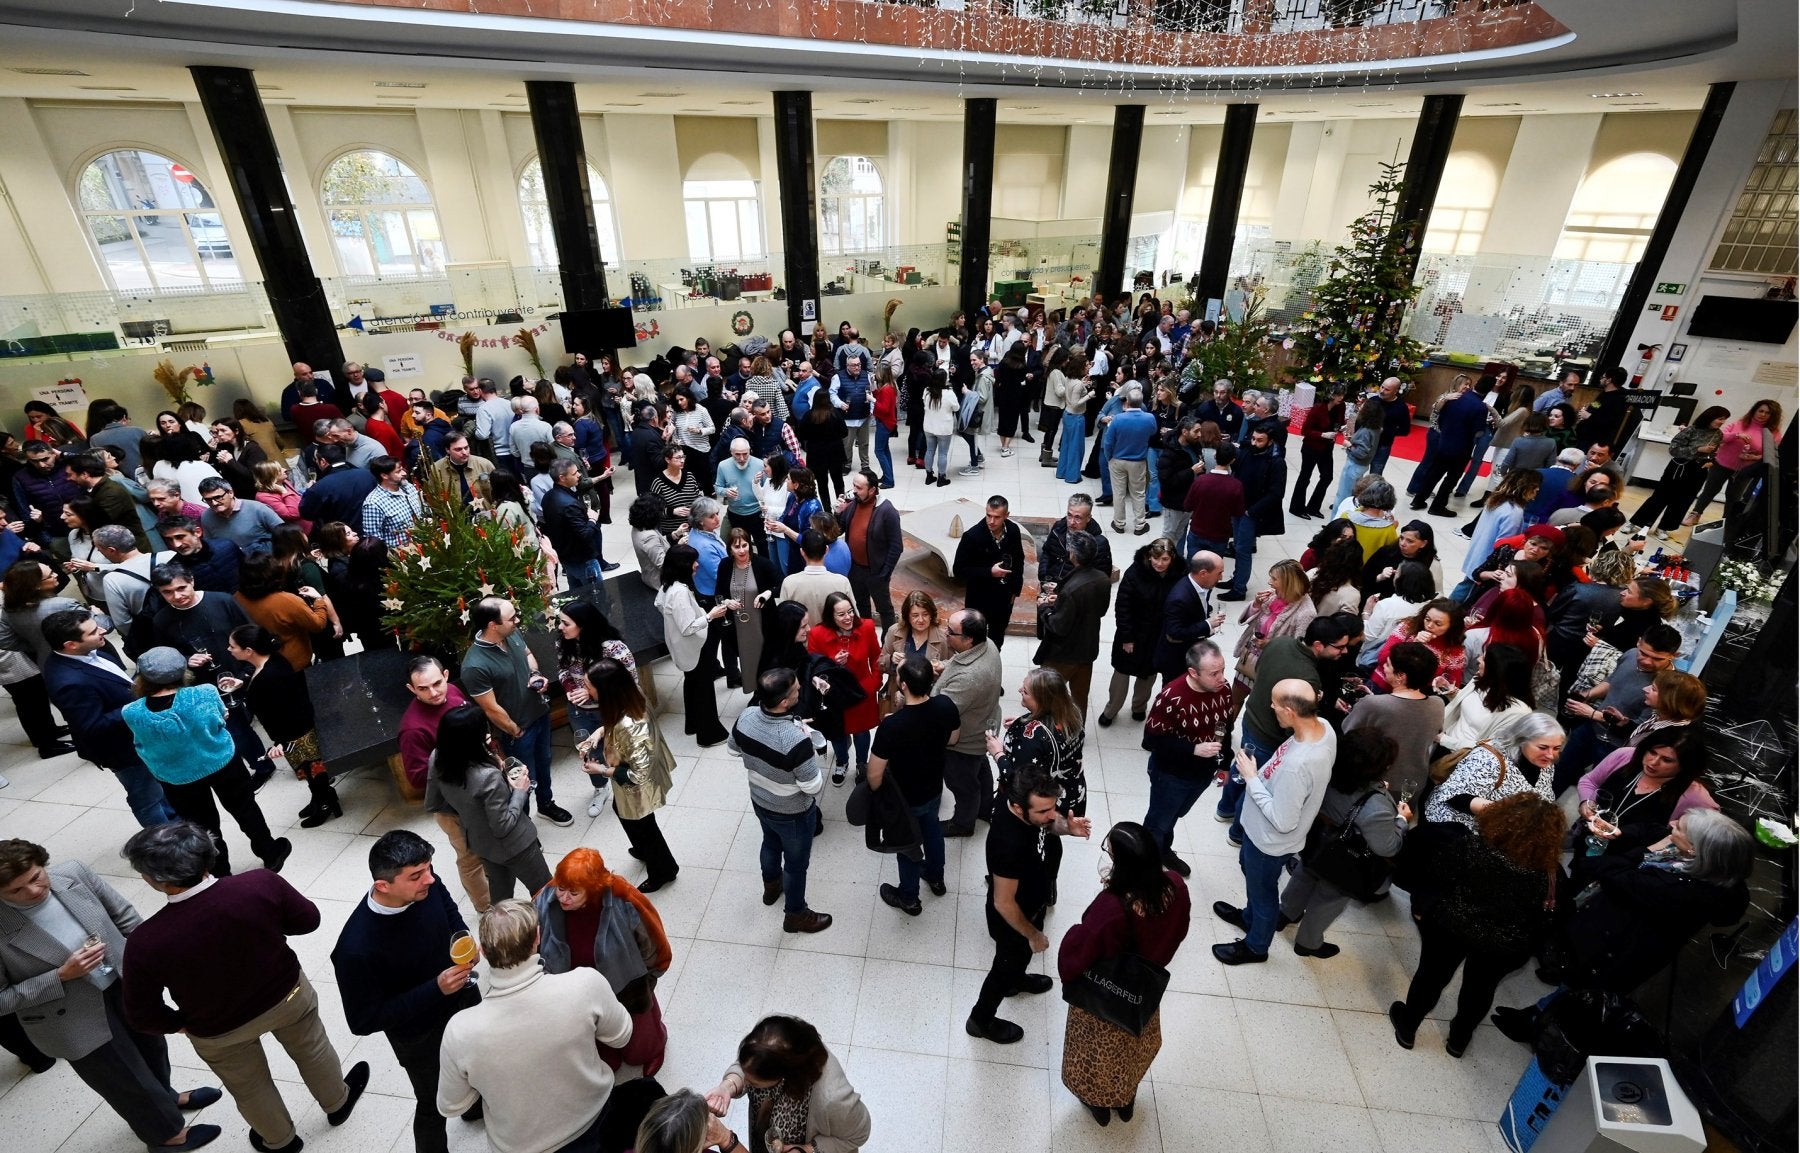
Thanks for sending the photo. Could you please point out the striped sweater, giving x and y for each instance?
(778, 752)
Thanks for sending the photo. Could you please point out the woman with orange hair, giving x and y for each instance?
(590, 917)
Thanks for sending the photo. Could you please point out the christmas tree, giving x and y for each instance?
(1353, 332)
(449, 560)
(1236, 353)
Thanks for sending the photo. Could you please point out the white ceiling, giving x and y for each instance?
(145, 57)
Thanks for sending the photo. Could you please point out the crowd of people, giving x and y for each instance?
(1517, 752)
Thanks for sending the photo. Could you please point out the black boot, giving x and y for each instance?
(324, 805)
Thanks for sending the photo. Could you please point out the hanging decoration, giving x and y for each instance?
(742, 323)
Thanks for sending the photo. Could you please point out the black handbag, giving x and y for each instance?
(1341, 856)
(1124, 990)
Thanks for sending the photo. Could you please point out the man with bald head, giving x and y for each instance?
(1190, 614)
(734, 483)
(1396, 421)
(290, 396)
(1281, 798)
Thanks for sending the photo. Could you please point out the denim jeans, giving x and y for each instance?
(786, 851)
(1383, 450)
(1154, 489)
(533, 748)
(1353, 472)
(145, 795)
(582, 723)
(937, 453)
(932, 833)
(882, 434)
(1463, 590)
(841, 746)
(1069, 453)
(1262, 890)
(1171, 798)
(583, 573)
(1474, 466)
(621, 436)
(1243, 542)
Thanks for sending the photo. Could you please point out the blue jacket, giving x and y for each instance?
(1128, 435)
(90, 700)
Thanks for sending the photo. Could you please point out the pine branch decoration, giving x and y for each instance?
(451, 559)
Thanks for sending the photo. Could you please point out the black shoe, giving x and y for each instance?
(1100, 1114)
(1299, 512)
(890, 895)
(55, 749)
(1456, 1044)
(1325, 949)
(1027, 439)
(838, 772)
(260, 777)
(556, 814)
(996, 1030)
(1478, 502)
(1140, 530)
(1516, 1024)
(1417, 506)
(943, 482)
(358, 1080)
(324, 808)
(806, 921)
(1105, 721)
(1439, 510)
(1137, 714)
(197, 1136)
(1238, 953)
(1125, 1111)
(1033, 983)
(1404, 1033)
(1234, 596)
(200, 1098)
(1104, 502)
(771, 891)
(293, 1146)
(1171, 861)
(44, 1066)
(651, 884)
(1231, 915)
(278, 858)
(938, 888)
(958, 831)
(716, 741)
(609, 566)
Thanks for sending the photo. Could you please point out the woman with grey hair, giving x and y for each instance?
(1373, 517)
(681, 1123)
(1522, 759)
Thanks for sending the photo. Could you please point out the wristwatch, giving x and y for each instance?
(734, 1144)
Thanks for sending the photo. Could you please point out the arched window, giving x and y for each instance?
(850, 206)
(381, 217)
(154, 224)
(540, 237)
(724, 219)
(1616, 207)
(1465, 197)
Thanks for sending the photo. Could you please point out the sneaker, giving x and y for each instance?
(1005, 452)
(598, 804)
(944, 481)
(838, 772)
(1118, 528)
(969, 470)
(556, 814)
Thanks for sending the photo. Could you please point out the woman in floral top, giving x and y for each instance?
(1049, 735)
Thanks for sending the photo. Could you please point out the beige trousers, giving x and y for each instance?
(468, 865)
(238, 1058)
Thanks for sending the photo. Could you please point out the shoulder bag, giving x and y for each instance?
(1546, 679)
(1446, 764)
(1125, 990)
(1340, 856)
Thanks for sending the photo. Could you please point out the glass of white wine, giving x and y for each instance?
(104, 968)
(462, 948)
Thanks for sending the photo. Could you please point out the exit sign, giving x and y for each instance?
(1670, 288)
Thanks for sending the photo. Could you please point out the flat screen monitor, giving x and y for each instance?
(597, 328)
(1745, 319)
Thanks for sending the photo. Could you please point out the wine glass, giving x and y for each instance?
(462, 948)
(104, 968)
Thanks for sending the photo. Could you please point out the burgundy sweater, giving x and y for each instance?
(222, 955)
(1102, 932)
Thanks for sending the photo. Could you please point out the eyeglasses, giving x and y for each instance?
(217, 498)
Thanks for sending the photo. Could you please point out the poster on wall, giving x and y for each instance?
(402, 365)
(63, 396)
(809, 311)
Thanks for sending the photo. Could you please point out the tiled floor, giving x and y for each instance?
(1294, 1056)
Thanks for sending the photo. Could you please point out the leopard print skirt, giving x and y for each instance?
(1103, 1065)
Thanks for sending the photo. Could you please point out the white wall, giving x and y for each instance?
(1549, 157)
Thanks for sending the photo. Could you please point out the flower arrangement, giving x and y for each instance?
(175, 381)
(449, 560)
(1749, 581)
(527, 340)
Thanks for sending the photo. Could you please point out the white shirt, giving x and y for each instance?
(99, 662)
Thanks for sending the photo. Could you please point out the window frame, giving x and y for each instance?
(605, 214)
(748, 208)
(135, 219)
(422, 267)
(867, 206)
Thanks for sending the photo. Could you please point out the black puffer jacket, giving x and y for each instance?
(1138, 615)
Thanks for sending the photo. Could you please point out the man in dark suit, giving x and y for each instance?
(569, 523)
(339, 492)
(67, 992)
(990, 562)
(1190, 614)
(89, 685)
(1069, 622)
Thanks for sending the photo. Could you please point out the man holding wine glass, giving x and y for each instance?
(391, 971)
(1188, 735)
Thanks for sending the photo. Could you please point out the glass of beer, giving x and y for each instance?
(462, 948)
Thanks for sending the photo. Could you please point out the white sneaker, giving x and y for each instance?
(598, 804)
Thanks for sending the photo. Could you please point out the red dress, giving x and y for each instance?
(860, 652)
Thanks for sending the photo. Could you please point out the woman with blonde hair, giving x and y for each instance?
(590, 917)
(1745, 442)
(1049, 735)
(918, 632)
(1284, 609)
(274, 489)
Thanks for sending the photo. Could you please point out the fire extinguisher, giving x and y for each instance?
(1643, 364)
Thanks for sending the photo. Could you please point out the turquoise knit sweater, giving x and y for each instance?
(186, 741)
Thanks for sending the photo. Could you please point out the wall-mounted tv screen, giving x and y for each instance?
(1746, 319)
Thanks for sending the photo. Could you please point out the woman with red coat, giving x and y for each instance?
(851, 641)
(1318, 434)
(1143, 908)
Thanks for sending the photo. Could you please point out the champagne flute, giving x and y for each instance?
(462, 948)
(104, 968)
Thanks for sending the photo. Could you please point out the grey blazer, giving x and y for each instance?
(64, 1019)
(496, 818)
